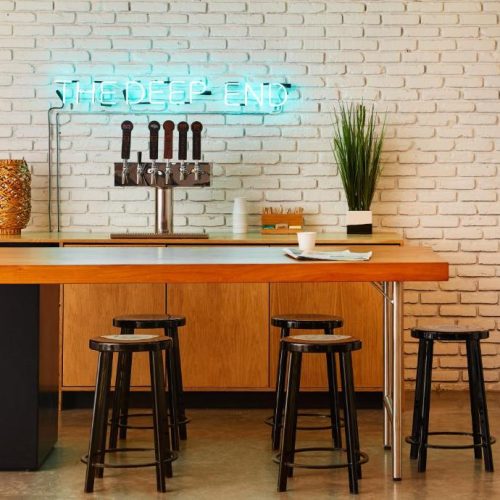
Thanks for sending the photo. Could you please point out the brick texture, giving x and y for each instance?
(430, 67)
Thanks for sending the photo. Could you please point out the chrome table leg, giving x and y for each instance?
(397, 377)
(387, 339)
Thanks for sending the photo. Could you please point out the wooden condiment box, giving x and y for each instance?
(288, 219)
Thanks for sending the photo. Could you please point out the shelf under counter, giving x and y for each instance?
(251, 238)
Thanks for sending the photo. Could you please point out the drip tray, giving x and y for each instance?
(160, 236)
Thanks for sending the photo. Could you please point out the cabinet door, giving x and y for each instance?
(359, 304)
(224, 344)
(88, 312)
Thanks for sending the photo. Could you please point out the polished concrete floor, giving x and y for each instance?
(227, 456)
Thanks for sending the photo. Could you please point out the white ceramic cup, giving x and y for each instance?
(307, 241)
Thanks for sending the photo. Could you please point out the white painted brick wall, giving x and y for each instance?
(431, 66)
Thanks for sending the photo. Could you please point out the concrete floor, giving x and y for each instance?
(228, 456)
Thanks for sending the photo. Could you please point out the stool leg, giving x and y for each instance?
(333, 395)
(125, 389)
(482, 406)
(426, 404)
(474, 410)
(280, 392)
(104, 430)
(125, 394)
(161, 439)
(117, 402)
(172, 398)
(417, 406)
(290, 423)
(99, 417)
(349, 420)
(354, 413)
(173, 333)
(291, 470)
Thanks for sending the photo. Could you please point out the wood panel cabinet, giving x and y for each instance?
(359, 304)
(224, 344)
(228, 343)
(88, 312)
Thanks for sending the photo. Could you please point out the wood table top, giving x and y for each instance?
(214, 264)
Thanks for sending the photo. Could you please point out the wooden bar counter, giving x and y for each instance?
(242, 351)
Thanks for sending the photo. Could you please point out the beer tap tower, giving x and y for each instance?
(163, 176)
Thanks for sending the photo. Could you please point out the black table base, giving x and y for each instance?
(29, 373)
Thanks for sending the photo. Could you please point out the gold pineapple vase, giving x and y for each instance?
(15, 196)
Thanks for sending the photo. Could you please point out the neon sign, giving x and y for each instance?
(177, 95)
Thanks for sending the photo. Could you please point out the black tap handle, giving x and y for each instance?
(139, 158)
(154, 129)
(127, 127)
(183, 128)
(196, 128)
(168, 144)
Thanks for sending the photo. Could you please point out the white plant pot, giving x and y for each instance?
(359, 221)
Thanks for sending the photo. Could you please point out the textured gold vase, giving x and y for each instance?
(15, 196)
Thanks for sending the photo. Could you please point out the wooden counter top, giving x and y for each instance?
(256, 238)
(217, 264)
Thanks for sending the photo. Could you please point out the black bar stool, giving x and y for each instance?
(294, 346)
(97, 445)
(482, 440)
(328, 324)
(119, 422)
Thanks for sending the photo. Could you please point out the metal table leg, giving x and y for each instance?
(397, 382)
(393, 374)
(387, 394)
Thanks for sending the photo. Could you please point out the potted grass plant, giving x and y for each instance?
(357, 149)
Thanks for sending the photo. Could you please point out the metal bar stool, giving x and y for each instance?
(328, 324)
(119, 421)
(482, 440)
(97, 443)
(294, 346)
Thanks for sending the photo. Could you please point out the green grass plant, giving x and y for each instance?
(357, 149)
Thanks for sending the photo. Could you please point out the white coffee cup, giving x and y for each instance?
(307, 241)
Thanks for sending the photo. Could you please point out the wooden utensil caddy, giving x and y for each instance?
(278, 219)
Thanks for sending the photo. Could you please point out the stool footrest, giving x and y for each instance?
(270, 421)
(128, 426)
(363, 459)
(172, 456)
(411, 440)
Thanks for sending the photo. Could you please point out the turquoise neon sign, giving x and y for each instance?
(176, 95)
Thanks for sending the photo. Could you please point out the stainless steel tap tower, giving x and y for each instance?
(166, 175)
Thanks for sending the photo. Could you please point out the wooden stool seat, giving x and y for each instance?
(307, 321)
(321, 343)
(103, 344)
(146, 321)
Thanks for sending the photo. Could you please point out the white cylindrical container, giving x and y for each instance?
(240, 224)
